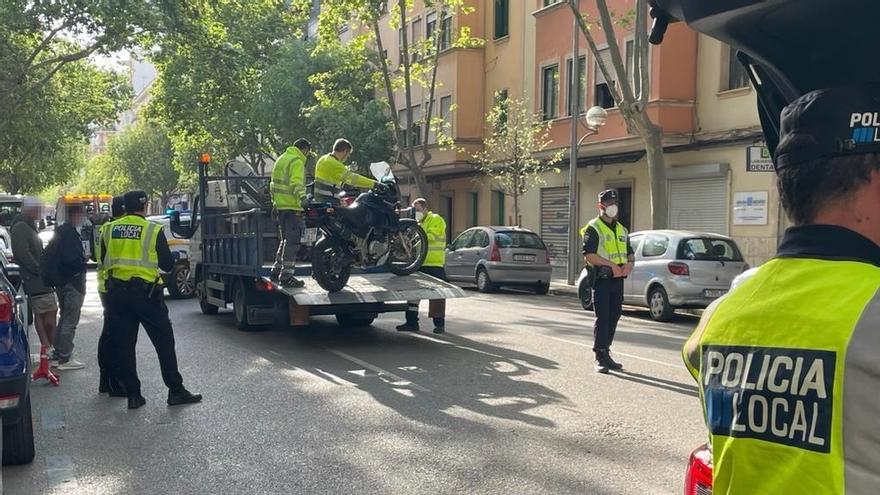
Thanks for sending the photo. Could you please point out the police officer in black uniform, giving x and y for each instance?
(137, 302)
(607, 250)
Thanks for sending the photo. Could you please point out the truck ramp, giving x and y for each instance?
(374, 288)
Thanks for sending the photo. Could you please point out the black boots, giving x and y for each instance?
(183, 396)
(439, 325)
(412, 323)
(604, 362)
(136, 401)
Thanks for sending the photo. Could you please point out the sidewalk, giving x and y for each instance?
(560, 287)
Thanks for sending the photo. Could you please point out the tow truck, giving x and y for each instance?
(789, 48)
(235, 238)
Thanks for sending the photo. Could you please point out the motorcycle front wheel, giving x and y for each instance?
(328, 268)
(409, 247)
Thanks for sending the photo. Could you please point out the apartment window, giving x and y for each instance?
(400, 46)
(550, 91)
(430, 25)
(737, 77)
(416, 34)
(501, 101)
(602, 95)
(446, 113)
(581, 85)
(475, 209)
(502, 24)
(403, 136)
(417, 125)
(630, 60)
(446, 32)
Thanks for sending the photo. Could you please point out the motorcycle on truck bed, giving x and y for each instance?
(235, 239)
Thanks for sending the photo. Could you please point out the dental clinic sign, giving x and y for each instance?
(759, 159)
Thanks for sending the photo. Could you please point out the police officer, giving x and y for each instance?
(134, 251)
(288, 188)
(331, 174)
(607, 251)
(435, 227)
(109, 381)
(787, 361)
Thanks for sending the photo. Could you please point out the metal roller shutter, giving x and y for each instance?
(554, 225)
(698, 204)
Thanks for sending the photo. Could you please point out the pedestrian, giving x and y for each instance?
(787, 361)
(607, 251)
(27, 248)
(331, 174)
(134, 250)
(109, 381)
(288, 188)
(71, 286)
(435, 227)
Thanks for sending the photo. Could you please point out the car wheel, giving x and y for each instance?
(18, 437)
(484, 283)
(585, 295)
(180, 283)
(659, 306)
(542, 289)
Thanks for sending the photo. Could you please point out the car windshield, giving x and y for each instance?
(708, 249)
(8, 212)
(525, 240)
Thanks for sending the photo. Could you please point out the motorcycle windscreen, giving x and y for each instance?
(381, 171)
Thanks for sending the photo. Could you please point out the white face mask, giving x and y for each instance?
(420, 215)
(611, 211)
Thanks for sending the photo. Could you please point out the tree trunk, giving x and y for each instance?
(653, 138)
(420, 180)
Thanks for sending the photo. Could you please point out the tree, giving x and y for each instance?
(417, 68)
(632, 96)
(516, 135)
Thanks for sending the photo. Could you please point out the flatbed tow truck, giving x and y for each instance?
(236, 238)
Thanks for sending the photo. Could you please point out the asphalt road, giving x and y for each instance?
(505, 402)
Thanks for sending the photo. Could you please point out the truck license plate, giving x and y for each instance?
(309, 236)
(528, 258)
(714, 292)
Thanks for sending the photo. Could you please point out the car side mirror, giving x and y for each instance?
(450, 248)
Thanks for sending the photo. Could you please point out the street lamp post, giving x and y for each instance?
(595, 119)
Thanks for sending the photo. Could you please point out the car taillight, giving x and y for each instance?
(9, 401)
(496, 254)
(698, 477)
(677, 268)
(6, 303)
(265, 285)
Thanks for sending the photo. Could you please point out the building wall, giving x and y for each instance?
(719, 110)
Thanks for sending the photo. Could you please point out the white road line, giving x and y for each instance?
(60, 473)
(398, 379)
(662, 363)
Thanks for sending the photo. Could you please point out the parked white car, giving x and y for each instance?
(179, 281)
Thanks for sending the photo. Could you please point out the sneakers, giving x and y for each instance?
(408, 327)
(183, 396)
(69, 364)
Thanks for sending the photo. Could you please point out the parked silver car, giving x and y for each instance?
(495, 256)
(675, 269)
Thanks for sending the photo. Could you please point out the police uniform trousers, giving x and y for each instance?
(129, 305)
(607, 305)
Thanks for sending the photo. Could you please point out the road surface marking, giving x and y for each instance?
(398, 380)
(52, 418)
(662, 363)
(60, 473)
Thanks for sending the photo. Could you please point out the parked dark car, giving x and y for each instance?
(15, 399)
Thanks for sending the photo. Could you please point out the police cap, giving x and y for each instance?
(135, 201)
(608, 196)
(303, 144)
(830, 122)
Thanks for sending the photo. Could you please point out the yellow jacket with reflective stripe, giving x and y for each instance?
(101, 272)
(435, 227)
(613, 244)
(331, 172)
(288, 185)
(131, 249)
(788, 373)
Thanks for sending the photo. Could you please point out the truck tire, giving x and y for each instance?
(327, 270)
(354, 320)
(180, 283)
(206, 307)
(240, 302)
(18, 437)
(411, 233)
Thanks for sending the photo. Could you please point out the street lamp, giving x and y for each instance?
(595, 119)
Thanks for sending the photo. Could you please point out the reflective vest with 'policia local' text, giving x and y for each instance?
(612, 243)
(131, 249)
(787, 365)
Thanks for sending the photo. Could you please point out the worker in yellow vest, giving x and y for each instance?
(607, 251)
(331, 174)
(435, 228)
(134, 251)
(787, 361)
(108, 381)
(288, 189)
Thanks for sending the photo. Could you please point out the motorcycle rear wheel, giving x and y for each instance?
(409, 247)
(328, 269)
